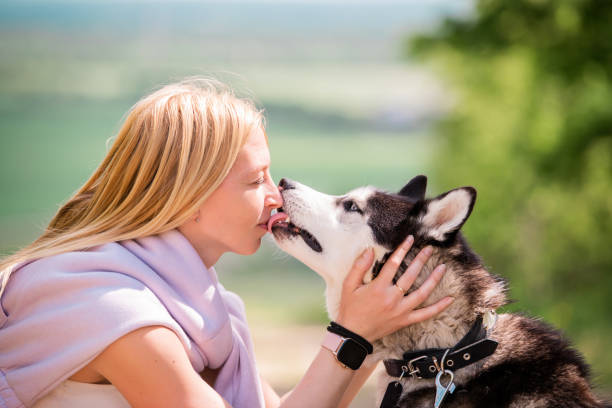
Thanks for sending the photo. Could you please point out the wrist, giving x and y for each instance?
(355, 328)
(351, 327)
(341, 330)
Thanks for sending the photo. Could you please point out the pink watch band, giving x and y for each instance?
(332, 342)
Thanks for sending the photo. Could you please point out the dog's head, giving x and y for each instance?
(328, 232)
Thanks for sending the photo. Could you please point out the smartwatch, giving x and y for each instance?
(347, 351)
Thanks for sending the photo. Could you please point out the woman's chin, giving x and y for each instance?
(249, 249)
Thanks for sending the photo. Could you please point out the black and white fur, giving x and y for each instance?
(533, 366)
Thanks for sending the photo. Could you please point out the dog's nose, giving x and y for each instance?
(285, 184)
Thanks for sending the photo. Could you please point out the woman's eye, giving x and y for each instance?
(260, 180)
(350, 206)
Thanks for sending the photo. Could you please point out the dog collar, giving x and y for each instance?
(473, 347)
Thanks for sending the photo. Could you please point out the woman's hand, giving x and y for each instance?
(379, 307)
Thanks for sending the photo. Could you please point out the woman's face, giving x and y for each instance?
(235, 216)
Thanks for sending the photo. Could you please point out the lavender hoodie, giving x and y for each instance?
(60, 312)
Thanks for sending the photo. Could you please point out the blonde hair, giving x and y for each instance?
(174, 149)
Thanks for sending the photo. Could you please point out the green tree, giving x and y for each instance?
(531, 129)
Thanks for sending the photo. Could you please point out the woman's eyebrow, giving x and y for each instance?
(259, 169)
(254, 172)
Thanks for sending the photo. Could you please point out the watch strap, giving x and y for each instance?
(346, 333)
(332, 342)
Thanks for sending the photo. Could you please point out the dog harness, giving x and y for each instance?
(438, 362)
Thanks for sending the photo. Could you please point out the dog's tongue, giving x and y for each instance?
(278, 217)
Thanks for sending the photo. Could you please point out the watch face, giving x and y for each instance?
(351, 354)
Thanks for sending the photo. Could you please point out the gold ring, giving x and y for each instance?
(400, 288)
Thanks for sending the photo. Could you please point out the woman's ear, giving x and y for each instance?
(446, 214)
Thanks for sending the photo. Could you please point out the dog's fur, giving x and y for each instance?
(533, 366)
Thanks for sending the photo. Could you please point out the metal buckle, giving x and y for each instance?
(414, 371)
(440, 367)
(404, 371)
(443, 360)
(436, 365)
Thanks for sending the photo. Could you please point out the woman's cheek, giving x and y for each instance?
(259, 199)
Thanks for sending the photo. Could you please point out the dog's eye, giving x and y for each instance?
(350, 206)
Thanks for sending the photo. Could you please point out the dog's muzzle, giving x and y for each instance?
(280, 226)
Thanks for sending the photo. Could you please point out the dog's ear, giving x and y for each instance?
(446, 214)
(415, 189)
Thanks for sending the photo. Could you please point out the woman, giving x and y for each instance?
(118, 303)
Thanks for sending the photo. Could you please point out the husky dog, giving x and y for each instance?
(516, 361)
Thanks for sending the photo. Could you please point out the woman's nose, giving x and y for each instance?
(275, 199)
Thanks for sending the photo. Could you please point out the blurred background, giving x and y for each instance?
(512, 97)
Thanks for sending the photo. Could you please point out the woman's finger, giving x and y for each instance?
(414, 269)
(362, 264)
(420, 315)
(421, 294)
(394, 261)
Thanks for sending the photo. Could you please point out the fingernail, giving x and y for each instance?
(408, 241)
(450, 299)
(365, 256)
(428, 250)
(442, 268)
